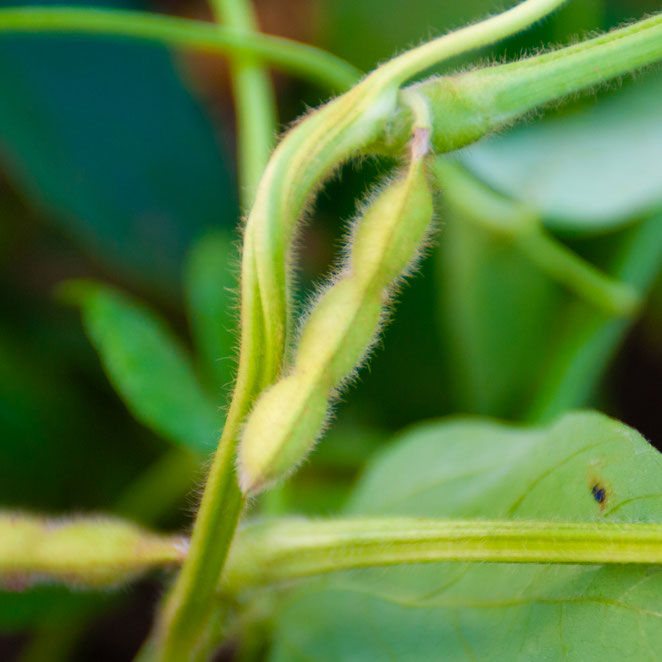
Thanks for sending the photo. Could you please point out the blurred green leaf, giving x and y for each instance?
(594, 169)
(147, 365)
(210, 284)
(473, 468)
(497, 313)
(578, 356)
(21, 611)
(103, 137)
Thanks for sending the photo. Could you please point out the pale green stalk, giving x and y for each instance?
(255, 108)
(182, 626)
(284, 550)
(291, 56)
(613, 297)
(80, 551)
(518, 223)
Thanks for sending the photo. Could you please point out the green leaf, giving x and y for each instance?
(210, 282)
(482, 469)
(103, 136)
(147, 365)
(566, 168)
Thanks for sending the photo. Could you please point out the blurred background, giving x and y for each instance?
(117, 164)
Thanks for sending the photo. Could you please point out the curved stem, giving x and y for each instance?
(319, 144)
(518, 223)
(300, 59)
(283, 550)
(475, 36)
(467, 106)
(255, 108)
(190, 604)
(563, 265)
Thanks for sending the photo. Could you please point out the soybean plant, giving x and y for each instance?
(291, 371)
(340, 328)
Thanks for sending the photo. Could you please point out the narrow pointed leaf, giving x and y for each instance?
(147, 365)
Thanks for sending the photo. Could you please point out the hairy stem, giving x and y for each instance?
(179, 626)
(306, 61)
(322, 142)
(283, 550)
(478, 35)
(183, 627)
(467, 106)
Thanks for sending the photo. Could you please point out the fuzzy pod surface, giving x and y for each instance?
(339, 331)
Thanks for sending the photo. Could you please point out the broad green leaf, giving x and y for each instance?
(106, 140)
(148, 367)
(591, 170)
(477, 468)
(210, 283)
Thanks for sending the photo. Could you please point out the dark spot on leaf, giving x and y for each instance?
(599, 493)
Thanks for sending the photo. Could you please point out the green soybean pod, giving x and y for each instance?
(383, 244)
(283, 425)
(342, 325)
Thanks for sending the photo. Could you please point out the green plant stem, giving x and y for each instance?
(471, 37)
(255, 108)
(614, 298)
(179, 631)
(189, 606)
(518, 223)
(300, 59)
(283, 550)
(467, 106)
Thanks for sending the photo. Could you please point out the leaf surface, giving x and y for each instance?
(477, 468)
(148, 367)
(591, 170)
(103, 136)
